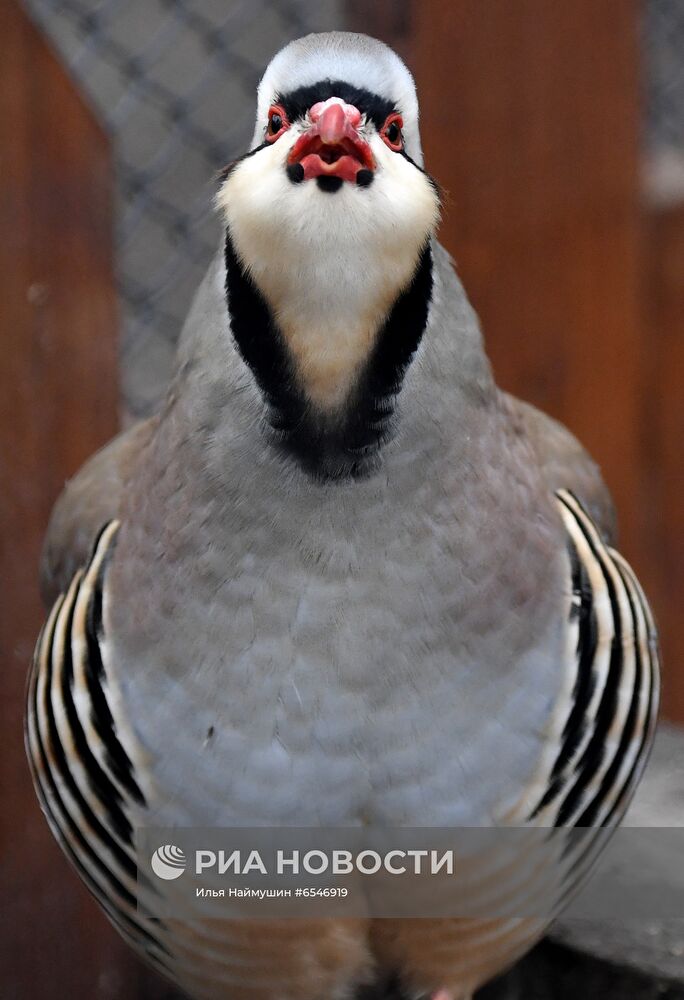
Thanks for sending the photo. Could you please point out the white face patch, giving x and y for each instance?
(330, 265)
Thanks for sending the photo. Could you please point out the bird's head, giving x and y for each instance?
(337, 114)
(329, 215)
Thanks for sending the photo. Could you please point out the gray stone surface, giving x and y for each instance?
(556, 972)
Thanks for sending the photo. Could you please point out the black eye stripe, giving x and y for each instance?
(296, 103)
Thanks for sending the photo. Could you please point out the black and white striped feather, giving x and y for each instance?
(83, 775)
(612, 685)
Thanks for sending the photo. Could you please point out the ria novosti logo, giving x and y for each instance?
(168, 862)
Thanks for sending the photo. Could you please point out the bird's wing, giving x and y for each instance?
(603, 723)
(88, 785)
(564, 462)
(87, 502)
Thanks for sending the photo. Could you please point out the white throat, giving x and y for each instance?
(330, 266)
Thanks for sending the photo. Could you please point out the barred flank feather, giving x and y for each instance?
(610, 717)
(82, 773)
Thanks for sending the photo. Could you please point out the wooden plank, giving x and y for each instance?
(58, 394)
(664, 455)
(389, 20)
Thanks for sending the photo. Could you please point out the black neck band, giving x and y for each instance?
(349, 443)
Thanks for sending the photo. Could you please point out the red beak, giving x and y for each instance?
(332, 147)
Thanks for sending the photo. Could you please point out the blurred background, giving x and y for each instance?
(557, 132)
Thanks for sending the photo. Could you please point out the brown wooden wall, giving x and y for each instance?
(663, 451)
(531, 118)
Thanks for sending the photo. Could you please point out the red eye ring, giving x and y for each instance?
(391, 132)
(277, 123)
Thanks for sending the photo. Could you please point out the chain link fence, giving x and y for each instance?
(173, 81)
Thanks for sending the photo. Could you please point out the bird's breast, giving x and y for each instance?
(319, 670)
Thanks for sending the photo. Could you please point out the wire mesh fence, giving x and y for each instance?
(173, 82)
(663, 64)
(664, 42)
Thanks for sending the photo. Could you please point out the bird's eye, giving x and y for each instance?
(392, 134)
(277, 123)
